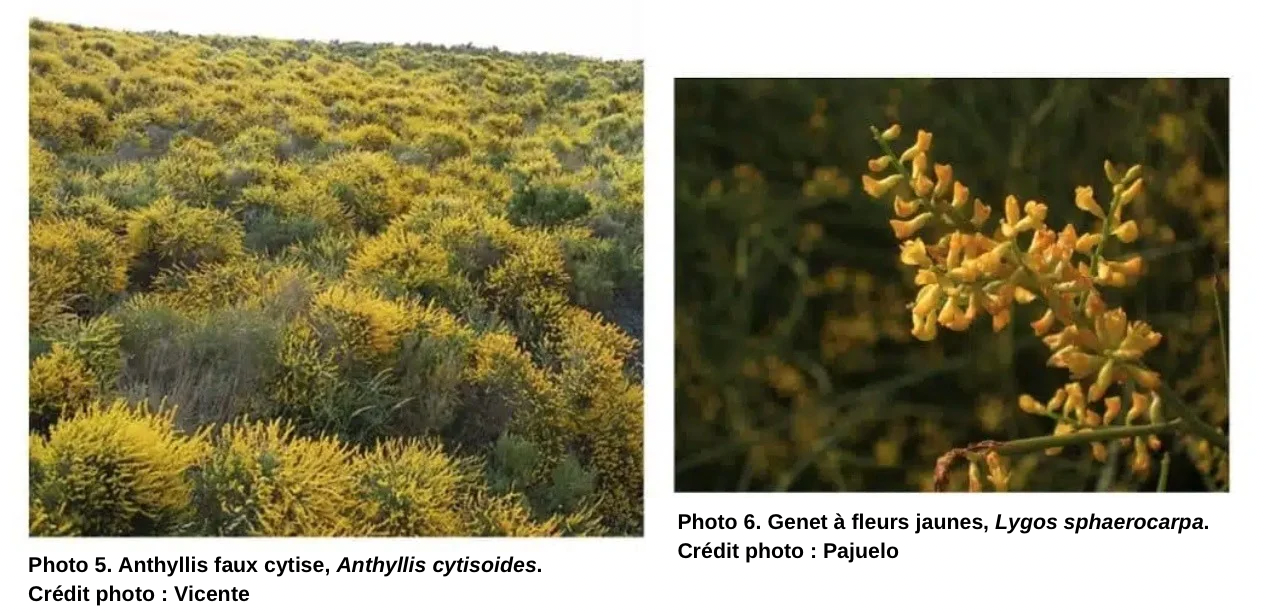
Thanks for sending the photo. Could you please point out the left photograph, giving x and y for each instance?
(323, 288)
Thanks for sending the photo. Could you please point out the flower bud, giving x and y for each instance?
(961, 194)
(980, 213)
(1028, 404)
(904, 208)
(1133, 173)
(923, 141)
(1110, 171)
(880, 163)
(1104, 380)
(928, 299)
(915, 253)
(906, 229)
(877, 188)
(1111, 409)
(1086, 242)
(944, 179)
(1043, 325)
(1130, 194)
(924, 328)
(1127, 232)
(1085, 200)
(892, 133)
(1012, 209)
(1142, 462)
(1138, 406)
(920, 165)
(1155, 414)
(973, 477)
(923, 186)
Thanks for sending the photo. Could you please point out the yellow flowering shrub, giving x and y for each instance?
(262, 479)
(169, 234)
(60, 383)
(43, 174)
(534, 268)
(411, 489)
(193, 172)
(112, 470)
(371, 137)
(93, 209)
(601, 416)
(311, 249)
(408, 263)
(74, 266)
(365, 326)
(368, 187)
(508, 515)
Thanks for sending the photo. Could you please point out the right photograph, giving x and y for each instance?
(952, 285)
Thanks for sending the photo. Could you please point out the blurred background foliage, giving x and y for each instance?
(794, 364)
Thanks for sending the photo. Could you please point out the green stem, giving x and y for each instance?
(1222, 338)
(1040, 443)
(1098, 252)
(1164, 473)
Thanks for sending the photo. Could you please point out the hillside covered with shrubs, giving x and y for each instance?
(303, 288)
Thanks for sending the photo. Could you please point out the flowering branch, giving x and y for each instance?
(966, 273)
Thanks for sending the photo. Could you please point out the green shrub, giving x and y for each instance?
(112, 470)
(169, 234)
(260, 479)
(60, 383)
(211, 365)
(547, 205)
(411, 489)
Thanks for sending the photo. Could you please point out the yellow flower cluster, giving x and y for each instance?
(969, 266)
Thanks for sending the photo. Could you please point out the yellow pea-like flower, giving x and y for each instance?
(923, 140)
(1085, 200)
(1112, 408)
(1132, 192)
(915, 253)
(961, 193)
(906, 228)
(877, 188)
(944, 179)
(1086, 243)
(980, 213)
(904, 208)
(1127, 232)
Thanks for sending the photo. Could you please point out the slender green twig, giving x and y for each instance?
(1222, 338)
(1164, 473)
(1041, 443)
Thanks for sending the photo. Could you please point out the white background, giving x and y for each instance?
(965, 571)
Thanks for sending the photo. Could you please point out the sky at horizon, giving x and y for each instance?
(598, 29)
